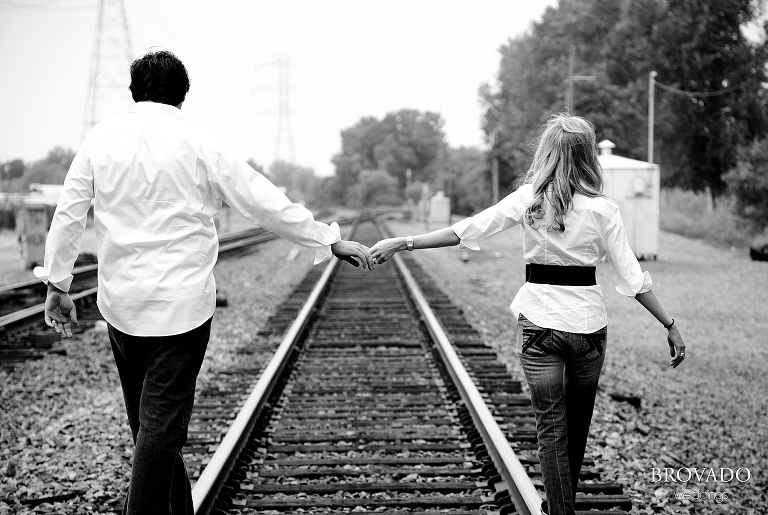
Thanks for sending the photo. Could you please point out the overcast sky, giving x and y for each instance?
(348, 59)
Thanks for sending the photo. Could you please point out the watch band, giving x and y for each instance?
(409, 243)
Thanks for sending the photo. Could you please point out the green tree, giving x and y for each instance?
(50, 170)
(299, 181)
(693, 45)
(376, 188)
(465, 177)
(402, 140)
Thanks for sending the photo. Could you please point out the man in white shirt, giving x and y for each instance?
(156, 181)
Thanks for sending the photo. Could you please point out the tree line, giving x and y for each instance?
(711, 127)
(710, 97)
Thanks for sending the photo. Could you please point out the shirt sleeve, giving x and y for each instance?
(66, 232)
(500, 217)
(261, 202)
(632, 279)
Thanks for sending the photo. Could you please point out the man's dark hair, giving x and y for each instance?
(159, 76)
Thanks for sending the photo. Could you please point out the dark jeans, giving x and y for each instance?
(562, 370)
(158, 377)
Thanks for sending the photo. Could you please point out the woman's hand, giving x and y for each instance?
(676, 346)
(349, 250)
(385, 249)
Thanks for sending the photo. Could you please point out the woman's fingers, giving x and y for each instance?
(676, 348)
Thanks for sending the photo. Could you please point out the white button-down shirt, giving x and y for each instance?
(156, 181)
(593, 230)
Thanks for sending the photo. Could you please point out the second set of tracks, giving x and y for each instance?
(380, 398)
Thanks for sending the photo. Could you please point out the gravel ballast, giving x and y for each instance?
(63, 429)
(709, 413)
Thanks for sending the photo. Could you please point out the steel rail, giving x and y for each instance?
(215, 473)
(515, 478)
(31, 283)
(10, 320)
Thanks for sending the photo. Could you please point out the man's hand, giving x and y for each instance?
(60, 311)
(349, 250)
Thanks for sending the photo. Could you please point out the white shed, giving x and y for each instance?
(634, 185)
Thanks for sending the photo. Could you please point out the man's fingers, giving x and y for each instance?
(48, 321)
(73, 316)
(66, 331)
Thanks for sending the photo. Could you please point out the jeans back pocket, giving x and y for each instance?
(592, 344)
(530, 334)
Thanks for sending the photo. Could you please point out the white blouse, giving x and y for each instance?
(593, 230)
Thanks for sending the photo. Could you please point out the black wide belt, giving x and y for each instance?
(560, 275)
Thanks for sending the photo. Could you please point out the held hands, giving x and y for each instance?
(60, 311)
(385, 249)
(676, 346)
(349, 250)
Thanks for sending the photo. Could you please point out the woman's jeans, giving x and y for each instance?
(562, 370)
(158, 377)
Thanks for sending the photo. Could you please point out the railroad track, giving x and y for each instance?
(380, 398)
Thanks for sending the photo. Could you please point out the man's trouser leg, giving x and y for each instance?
(158, 377)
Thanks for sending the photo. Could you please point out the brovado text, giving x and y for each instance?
(701, 475)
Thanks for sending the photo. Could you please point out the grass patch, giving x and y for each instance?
(694, 215)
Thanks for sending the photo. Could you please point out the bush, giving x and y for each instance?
(693, 215)
(748, 183)
(376, 188)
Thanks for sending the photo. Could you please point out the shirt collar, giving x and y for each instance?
(157, 108)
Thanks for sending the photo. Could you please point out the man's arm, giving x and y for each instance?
(63, 243)
(261, 202)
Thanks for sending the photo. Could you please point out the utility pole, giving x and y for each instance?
(494, 169)
(110, 59)
(651, 102)
(572, 78)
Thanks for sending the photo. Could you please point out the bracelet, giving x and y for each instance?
(409, 243)
(670, 324)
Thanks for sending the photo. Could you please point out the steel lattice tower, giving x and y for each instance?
(110, 58)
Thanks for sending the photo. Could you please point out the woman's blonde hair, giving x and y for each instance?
(566, 159)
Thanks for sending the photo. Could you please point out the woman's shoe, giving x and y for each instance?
(544, 508)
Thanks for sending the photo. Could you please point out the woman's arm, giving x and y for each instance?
(676, 345)
(385, 249)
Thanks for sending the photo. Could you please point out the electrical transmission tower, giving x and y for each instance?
(110, 58)
(284, 144)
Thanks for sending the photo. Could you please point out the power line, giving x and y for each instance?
(9, 5)
(705, 94)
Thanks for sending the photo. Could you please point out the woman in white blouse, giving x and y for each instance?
(568, 227)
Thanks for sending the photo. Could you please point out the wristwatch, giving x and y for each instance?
(409, 243)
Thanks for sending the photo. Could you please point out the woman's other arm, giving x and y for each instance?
(636, 283)
(676, 345)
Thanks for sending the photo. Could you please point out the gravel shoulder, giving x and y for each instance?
(63, 428)
(710, 412)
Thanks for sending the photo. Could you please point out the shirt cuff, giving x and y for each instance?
(462, 228)
(630, 290)
(324, 253)
(43, 274)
